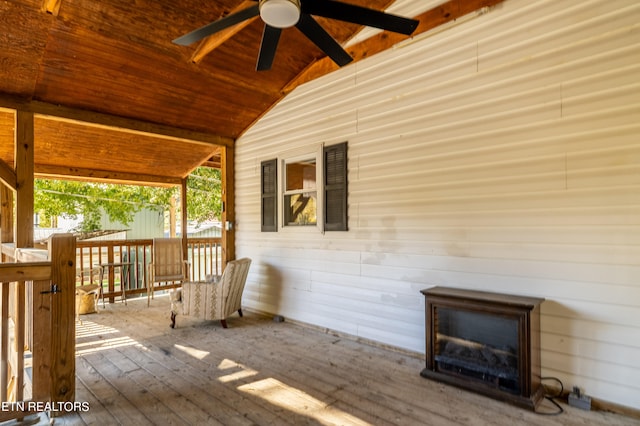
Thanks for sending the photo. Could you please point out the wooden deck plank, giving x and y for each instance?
(306, 368)
(112, 399)
(206, 374)
(134, 369)
(191, 390)
(151, 407)
(272, 368)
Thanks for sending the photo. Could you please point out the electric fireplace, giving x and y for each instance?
(484, 342)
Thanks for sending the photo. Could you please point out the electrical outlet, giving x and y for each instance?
(579, 400)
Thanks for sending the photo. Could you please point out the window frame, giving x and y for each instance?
(299, 156)
(286, 193)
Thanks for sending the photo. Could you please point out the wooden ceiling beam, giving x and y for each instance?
(210, 43)
(89, 175)
(213, 164)
(51, 6)
(112, 122)
(439, 15)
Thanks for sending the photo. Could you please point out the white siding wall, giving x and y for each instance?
(502, 154)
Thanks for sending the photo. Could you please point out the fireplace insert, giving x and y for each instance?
(484, 342)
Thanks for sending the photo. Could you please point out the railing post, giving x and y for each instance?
(42, 335)
(62, 253)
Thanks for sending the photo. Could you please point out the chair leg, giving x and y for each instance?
(224, 323)
(173, 320)
(240, 312)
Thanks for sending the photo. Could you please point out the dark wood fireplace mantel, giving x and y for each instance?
(484, 342)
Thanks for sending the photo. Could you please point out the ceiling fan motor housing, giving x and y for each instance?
(280, 13)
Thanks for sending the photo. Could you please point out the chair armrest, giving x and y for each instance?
(175, 295)
(187, 268)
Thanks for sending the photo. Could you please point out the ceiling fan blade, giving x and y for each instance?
(218, 25)
(323, 40)
(360, 15)
(270, 38)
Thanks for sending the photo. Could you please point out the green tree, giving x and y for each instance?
(204, 200)
(89, 200)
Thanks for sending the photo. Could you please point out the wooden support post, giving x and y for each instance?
(62, 253)
(24, 163)
(172, 217)
(228, 205)
(6, 216)
(111, 275)
(183, 213)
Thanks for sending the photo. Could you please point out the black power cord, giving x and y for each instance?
(553, 397)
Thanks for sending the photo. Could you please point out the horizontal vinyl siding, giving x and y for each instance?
(501, 154)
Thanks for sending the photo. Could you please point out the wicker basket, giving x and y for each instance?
(87, 299)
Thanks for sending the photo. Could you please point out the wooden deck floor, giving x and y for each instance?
(133, 369)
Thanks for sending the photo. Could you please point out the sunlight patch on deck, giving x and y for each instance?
(297, 401)
(242, 371)
(90, 338)
(196, 353)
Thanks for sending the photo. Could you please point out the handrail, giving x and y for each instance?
(34, 271)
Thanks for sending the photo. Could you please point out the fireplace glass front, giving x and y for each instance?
(478, 346)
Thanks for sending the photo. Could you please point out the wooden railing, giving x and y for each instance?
(37, 310)
(204, 256)
(37, 306)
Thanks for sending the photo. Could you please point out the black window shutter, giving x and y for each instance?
(269, 206)
(335, 187)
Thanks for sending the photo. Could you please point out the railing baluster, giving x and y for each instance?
(19, 339)
(4, 342)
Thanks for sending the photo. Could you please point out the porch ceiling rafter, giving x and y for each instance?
(115, 122)
(75, 173)
(51, 6)
(77, 144)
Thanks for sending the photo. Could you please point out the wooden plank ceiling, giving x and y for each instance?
(92, 70)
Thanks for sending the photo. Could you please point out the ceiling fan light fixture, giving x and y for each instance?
(280, 13)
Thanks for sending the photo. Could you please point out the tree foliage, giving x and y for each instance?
(72, 199)
(204, 194)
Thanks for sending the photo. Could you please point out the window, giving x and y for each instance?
(300, 193)
(313, 190)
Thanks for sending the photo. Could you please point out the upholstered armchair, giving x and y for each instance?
(215, 299)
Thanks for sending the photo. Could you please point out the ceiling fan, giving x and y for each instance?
(280, 14)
